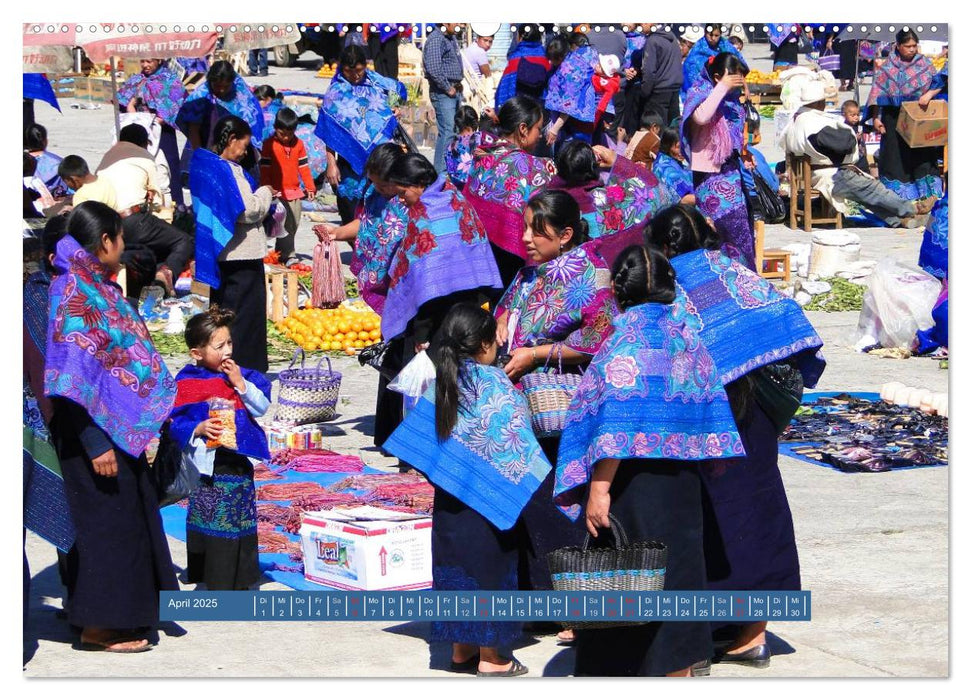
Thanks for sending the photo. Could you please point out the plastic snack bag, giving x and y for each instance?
(225, 411)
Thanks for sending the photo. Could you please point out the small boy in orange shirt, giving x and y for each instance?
(283, 166)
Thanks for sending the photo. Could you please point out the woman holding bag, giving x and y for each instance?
(230, 238)
(648, 412)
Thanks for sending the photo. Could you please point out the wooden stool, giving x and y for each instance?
(801, 194)
(278, 278)
(767, 261)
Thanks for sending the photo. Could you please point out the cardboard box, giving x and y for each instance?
(367, 555)
(920, 128)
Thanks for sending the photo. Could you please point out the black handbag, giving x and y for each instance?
(766, 201)
(174, 479)
(778, 388)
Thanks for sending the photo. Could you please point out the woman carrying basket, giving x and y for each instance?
(649, 410)
(557, 312)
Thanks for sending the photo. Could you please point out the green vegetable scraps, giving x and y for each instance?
(844, 296)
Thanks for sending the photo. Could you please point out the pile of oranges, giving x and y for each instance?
(332, 329)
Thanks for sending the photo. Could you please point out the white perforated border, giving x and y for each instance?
(149, 28)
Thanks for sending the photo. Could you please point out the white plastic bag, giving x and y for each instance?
(413, 381)
(897, 304)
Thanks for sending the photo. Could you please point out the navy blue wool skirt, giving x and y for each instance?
(470, 554)
(654, 500)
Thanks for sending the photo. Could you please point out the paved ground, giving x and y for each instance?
(873, 548)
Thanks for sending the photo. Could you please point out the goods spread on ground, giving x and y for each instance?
(855, 434)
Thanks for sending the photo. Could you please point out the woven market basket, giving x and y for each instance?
(548, 392)
(622, 567)
(307, 395)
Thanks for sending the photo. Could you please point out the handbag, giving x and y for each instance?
(622, 566)
(829, 61)
(373, 356)
(175, 478)
(766, 201)
(307, 395)
(752, 129)
(549, 392)
(778, 388)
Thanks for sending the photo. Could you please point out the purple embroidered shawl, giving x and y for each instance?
(162, 92)
(100, 355)
(571, 90)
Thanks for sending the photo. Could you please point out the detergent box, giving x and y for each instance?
(367, 549)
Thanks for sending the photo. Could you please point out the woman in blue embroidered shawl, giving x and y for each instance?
(223, 94)
(711, 140)
(753, 334)
(358, 113)
(470, 435)
(693, 68)
(110, 392)
(649, 414)
(230, 238)
(905, 77)
(157, 89)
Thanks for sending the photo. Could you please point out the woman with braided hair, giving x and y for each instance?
(230, 240)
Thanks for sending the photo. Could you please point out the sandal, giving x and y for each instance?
(516, 669)
(110, 646)
(469, 666)
(566, 638)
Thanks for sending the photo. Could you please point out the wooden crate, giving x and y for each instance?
(282, 291)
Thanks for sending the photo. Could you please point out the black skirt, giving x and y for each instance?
(543, 528)
(750, 544)
(787, 53)
(221, 539)
(655, 500)
(470, 554)
(910, 172)
(120, 559)
(243, 290)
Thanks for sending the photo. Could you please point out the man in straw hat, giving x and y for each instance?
(832, 149)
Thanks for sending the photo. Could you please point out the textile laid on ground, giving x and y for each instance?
(566, 300)
(855, 434)
(491, 462)
(217, 204)
(442, 236)
(196, 385)
(205, 109)
(571, 90)
(652, 392)
(354, 119)
(162, 92)
(499, 186)
(100, 355)
(741, 318)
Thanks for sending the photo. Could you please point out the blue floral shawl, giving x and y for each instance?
(162, 92)
(100, 355)
(693, 68)
(382, 228)
(741, 318)
(674, 174)
(492, 461)
(571, 89)
(652, 392)
(201, 103)
(354, 119)
(217, 204)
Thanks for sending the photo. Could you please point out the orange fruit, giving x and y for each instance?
(339, 337)
(349, 351)
(351, 335)
(375, 335)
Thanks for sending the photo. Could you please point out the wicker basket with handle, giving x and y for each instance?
(548, 392)
(307, 395)
(640, 566)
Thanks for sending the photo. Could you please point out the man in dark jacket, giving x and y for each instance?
(661, 75)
